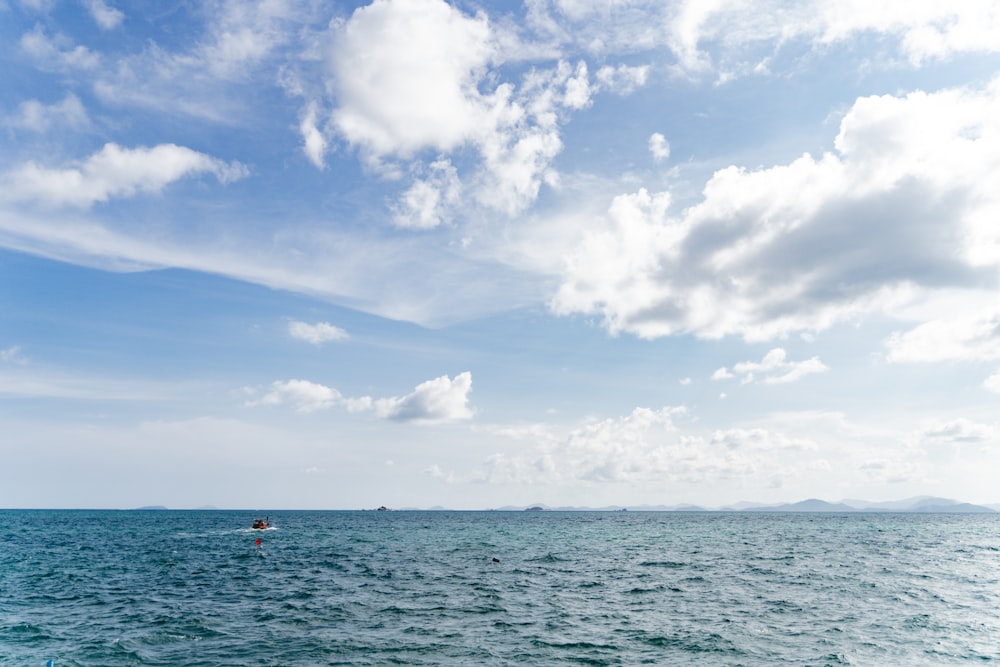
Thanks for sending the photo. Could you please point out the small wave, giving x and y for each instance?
(547, 558)
(668, 564)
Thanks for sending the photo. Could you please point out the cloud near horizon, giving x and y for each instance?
(645, 446)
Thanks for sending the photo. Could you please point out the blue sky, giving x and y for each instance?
(296, 254)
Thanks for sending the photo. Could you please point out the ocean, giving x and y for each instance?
(497, 588)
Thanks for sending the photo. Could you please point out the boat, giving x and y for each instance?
(261, 524)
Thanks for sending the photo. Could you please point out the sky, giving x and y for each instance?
(314, 254)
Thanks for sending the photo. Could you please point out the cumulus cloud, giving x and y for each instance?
(902, 208)
(439, 400)
(435, 401)
(440, 90)
(659, 148)
(407, 75)
(113, 172)
(774, 368)
(317, 334)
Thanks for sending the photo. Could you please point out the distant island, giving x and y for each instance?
(918, 505)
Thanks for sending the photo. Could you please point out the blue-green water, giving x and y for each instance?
(422, 588)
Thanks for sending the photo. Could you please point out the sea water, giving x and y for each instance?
(498, 588)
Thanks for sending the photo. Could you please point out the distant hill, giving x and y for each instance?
(925, 504)
(811, 505)
(921, 504)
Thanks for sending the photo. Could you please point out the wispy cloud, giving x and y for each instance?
(35, 116)
(974, 337)
(959, 431)
(774, 368)
(113, 172)
(106, 17)
(317, 334)
(57, 53)
(13, 355)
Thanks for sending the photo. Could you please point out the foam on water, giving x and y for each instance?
(498, 588)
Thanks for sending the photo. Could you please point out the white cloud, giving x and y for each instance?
(317, 334)
(730, 39)
(774, 368)
(927, 30)
(578, 89)
(435, 401)
(975, 337)
(113, 172)
(644, 446)
(37, 117)
(304, 396)
(439, 400)
(992, 383)
(622, 79)
(903, 208)
(440, 90)
(314, 143)
(407, 76)
(426, 204)
(659, 147)
(105, 16)
(57, 53)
